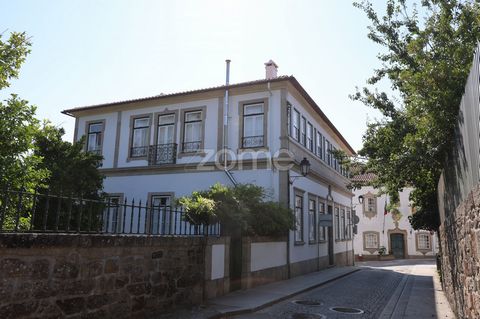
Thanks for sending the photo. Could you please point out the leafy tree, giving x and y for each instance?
(240, 210)
(17, 122)
(72, 171)
(17, 129)
(427, 58)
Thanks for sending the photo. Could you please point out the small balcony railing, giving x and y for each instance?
(162, 154)
(252, 141)
(96, 151)
(191, 146)
(141, 151)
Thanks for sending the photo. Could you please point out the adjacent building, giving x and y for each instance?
(381, 225)
(162, 147)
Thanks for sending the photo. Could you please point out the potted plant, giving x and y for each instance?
(382, 254)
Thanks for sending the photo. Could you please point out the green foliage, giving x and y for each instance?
(427, 59)
(240, 209)
(72, 171)
(34, 157)
(12, 55)
(17, 122)
(382, 251)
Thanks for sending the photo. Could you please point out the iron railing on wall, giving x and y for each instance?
(22, 211)
(462, 170)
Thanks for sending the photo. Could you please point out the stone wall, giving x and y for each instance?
(98, 276)
(460, 247)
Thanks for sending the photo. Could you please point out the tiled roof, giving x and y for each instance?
(289, 78)
(364, 178)
(162, 96)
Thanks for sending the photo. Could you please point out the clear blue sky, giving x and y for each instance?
(88, 52)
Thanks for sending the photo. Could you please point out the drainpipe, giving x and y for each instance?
(225, 127)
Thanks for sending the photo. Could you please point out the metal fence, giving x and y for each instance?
(22, 211)
(462, 171)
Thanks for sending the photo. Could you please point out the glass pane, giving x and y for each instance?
(193, 116)
(193, 132)
(253, 126)
(165, 134)
(95, 127)
(160, 200)
(253, 109)
(140, 137)
(166, 119)
(92, 142)
(141, 122)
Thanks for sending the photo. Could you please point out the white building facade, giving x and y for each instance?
(391, 230)
(167, 146)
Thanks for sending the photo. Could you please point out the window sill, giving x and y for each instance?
(140, 158)
(253, 149)
(299, 243)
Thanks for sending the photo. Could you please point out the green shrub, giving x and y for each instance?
(241, 209)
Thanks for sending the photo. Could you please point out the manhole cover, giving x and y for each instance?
(353, 311)
(308, 302)
(300, 315)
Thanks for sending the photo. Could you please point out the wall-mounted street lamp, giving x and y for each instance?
(304, 169)
(360, 199)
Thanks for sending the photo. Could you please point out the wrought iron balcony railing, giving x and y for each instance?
(96, 151)
(252, 141)
(141, 151)
(191, 146)
(162, 154)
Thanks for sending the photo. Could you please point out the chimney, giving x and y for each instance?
(271, 69)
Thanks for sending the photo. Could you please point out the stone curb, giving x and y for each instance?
(227, 314)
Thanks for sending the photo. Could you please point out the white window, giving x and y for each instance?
(319, 143)
(329, 155)
(298, 218)
(370, 204)
(166, 129)
(424, 241)
(312, 223)
(163, 216)
(94, 138)
(342, 223)
(303, 128)
(370, 240)
(321, 230)
(112, 214)
(296, 125)
(310, 136)
(140, 141)
(337, 223)
(349, 224)
(253, 115)
(192, 138)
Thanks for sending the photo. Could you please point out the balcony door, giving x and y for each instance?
(166, 129)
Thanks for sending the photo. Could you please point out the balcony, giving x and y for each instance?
(140, 151)
(162, 154)
(252, 141)
(189, 147)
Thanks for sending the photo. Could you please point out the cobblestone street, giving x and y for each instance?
(396, 289)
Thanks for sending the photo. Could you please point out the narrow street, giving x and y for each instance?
(393, 289)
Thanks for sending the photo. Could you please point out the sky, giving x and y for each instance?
(89, 52)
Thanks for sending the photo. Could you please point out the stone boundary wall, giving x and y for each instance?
(460, 258)
(100, 276)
